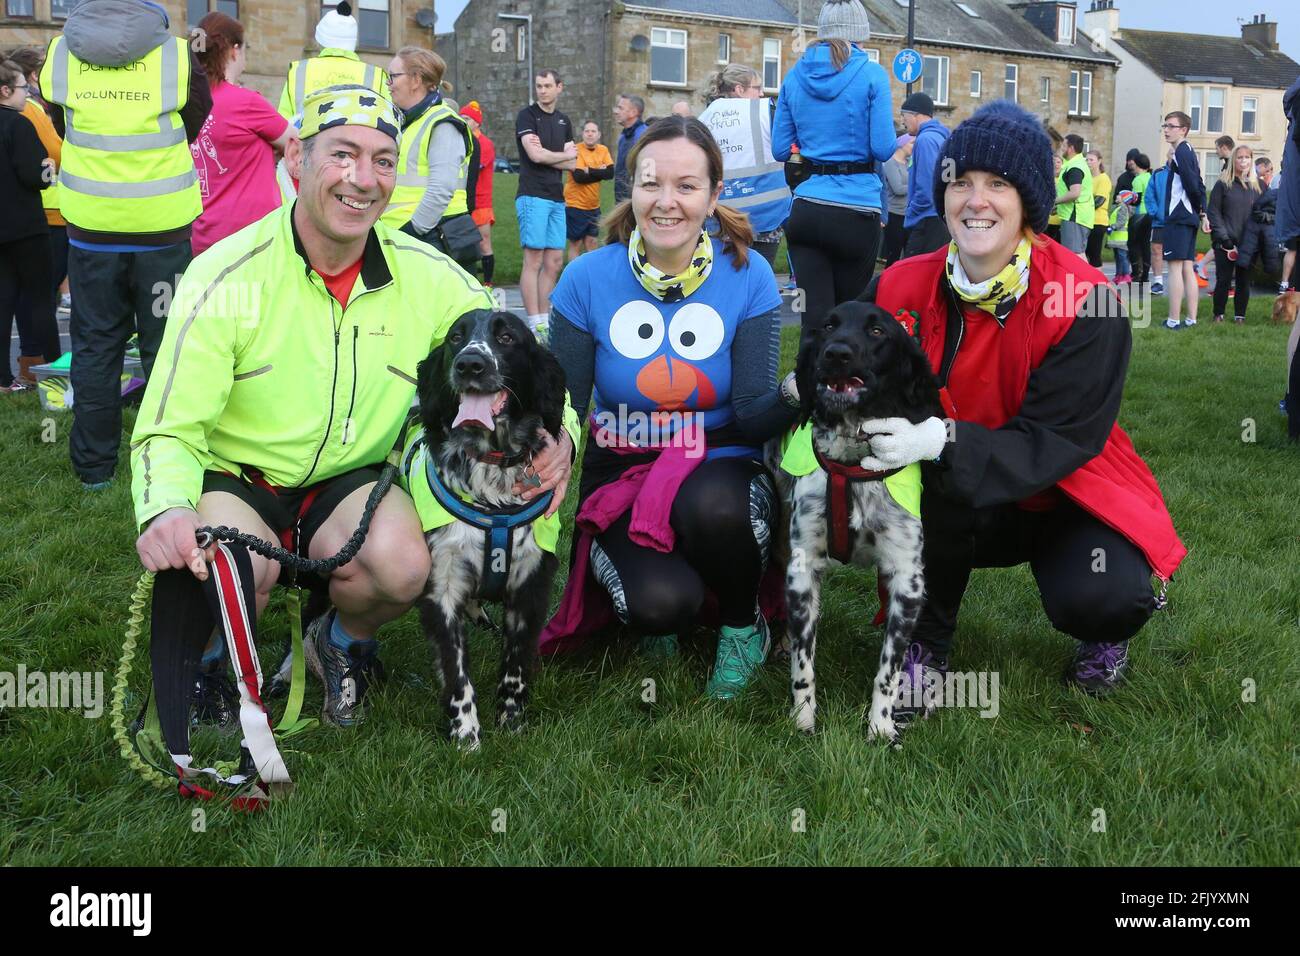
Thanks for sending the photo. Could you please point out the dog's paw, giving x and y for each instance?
(882, 728)
(466, 739)
(805, 717)
(511, 719)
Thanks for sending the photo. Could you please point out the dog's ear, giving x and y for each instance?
(438, 403)
(805, 369)
(549, 390)
(919, 386)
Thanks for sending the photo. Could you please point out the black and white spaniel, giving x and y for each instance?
(860, 364)
(485, 397)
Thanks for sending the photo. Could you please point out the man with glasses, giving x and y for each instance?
(1186, 210)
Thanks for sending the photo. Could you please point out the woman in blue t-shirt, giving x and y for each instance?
(674, 335)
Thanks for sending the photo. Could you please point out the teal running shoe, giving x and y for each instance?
(741, 650)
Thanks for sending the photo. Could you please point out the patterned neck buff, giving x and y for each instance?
(996, 296)
(672, 288)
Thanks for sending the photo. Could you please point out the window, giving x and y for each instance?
(59, 9)
(668, 56)
(1045, 90)
(1195, 105)
(976, 83)
(724, 48)
(873, 55)
(372, 21)
(1211, 166)
(1214, 114)
(1080, 93)
(1011, 83)
(934, 78)
(965, 8)
(771, 64)
(1249, 106)
(1064, 25)
(19, 8)
(195, 10)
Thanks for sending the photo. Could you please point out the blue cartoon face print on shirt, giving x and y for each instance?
(656, 356)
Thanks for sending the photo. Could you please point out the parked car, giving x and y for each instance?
(504, 165)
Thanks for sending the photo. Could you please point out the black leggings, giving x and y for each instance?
(1139, 248)
(1094, 583)
(1096, 242)
(834, 252)
(895, 238)
(722, 517)
(26, 292)
(1225, 270)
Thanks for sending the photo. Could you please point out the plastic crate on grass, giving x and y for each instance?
(54, 384)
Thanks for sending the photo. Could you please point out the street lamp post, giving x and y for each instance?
(528, 19)
(911, 32)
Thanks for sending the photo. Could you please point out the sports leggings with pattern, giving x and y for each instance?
(722, 517)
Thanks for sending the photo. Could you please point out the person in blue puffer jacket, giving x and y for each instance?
(835, 106)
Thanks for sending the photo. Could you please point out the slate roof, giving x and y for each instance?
(998, 27)
(758, 10)
(1182, 56)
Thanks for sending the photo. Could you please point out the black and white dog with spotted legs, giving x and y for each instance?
(486, 395)
(861, 364)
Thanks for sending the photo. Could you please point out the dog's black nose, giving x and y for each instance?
(837, 353)
(470, 363)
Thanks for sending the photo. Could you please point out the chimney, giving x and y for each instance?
(1260, 32)
(1101, 23)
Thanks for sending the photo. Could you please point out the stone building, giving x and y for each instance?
(663, 50)
(277, 31)
(1227, 85)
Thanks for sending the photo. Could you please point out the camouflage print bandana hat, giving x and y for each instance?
(350, 105)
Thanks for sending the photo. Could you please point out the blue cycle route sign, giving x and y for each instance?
(907, 65)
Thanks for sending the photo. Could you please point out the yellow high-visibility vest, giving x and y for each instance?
(413, 167)
(1080, 209)
(126, 166)
(333, 67)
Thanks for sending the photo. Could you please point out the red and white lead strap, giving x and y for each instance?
(254, 719)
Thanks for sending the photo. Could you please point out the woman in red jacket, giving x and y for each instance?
(1031, 347)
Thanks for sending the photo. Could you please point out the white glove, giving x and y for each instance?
(896, 442)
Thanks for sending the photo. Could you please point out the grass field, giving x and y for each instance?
(1179, 766)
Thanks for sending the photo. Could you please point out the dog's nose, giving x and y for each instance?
(470, 363)
(837, 353)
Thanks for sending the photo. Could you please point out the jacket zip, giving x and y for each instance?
(333, 385)
(347, 422)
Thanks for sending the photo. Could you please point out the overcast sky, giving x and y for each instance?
(1191, 16)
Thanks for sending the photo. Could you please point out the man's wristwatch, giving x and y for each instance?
(787, 389)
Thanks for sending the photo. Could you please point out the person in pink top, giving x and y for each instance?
(236, 151)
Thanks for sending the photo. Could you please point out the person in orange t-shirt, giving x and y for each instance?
(582, 191)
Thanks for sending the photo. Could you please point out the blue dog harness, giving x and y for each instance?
(498, 542)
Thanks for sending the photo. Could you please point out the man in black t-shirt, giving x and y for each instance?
(546, 149)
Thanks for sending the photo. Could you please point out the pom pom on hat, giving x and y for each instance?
(338, 28)
(1007, 140)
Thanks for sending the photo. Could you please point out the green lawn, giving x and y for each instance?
(1184, 770)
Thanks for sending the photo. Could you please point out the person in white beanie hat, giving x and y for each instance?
(337, 64)
(338, 29)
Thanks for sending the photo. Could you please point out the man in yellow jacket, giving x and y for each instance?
(287, 369)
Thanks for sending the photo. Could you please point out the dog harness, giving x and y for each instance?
(437, 506)
(799, 457)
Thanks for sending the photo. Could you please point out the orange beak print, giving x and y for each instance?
(670, 382)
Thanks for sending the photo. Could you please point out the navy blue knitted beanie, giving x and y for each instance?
(1008, 140)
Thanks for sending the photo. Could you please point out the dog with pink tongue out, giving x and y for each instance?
(489, 398)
